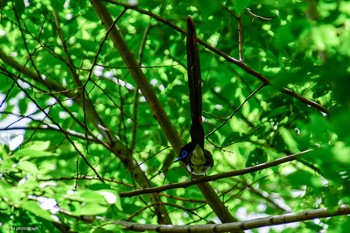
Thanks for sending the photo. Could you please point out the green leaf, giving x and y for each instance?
(289, 140)
(91, 209)
(325, 37)
(31, 154)
(27, 167)
(38, 145)
(89, 196)
(277, 112)
(7, 192)
(33, 207)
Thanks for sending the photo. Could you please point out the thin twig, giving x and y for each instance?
(240, 39)
(234, 112)
(240, 31)
(136, 92)
(257, 16)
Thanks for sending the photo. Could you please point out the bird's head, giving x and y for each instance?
(185, 152)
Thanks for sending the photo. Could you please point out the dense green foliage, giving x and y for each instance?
(92, 133)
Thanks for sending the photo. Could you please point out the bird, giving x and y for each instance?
(198, 160)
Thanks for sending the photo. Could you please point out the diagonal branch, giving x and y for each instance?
(150, 96)
(154, 104)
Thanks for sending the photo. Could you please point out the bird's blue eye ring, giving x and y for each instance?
(184, 153)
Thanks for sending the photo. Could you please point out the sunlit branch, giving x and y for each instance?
(258, 16)
(243, 225)
(240, 39)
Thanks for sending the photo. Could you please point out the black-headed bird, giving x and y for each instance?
(197, 159)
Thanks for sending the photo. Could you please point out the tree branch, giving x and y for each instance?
(154, 104)
(147, 91)
(215, 177)
(244, 225)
